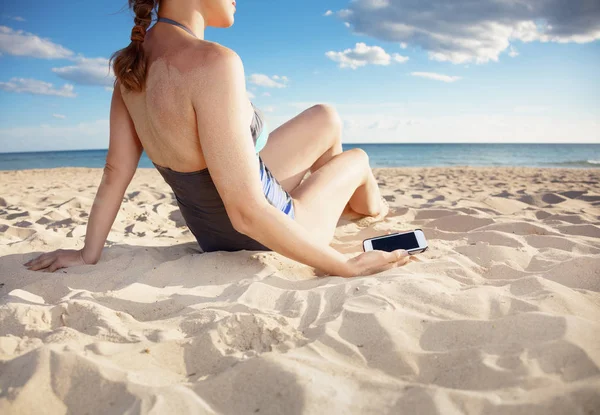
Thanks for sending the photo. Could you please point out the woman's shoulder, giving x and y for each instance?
(212, 73)
(212, 52)
(204, 62)
(216, 64)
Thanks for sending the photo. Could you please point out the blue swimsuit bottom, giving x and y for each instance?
(273, 191)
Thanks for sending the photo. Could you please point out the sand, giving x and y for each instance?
(500, 316)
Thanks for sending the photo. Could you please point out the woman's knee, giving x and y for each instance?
(359, 155)
(330, 116)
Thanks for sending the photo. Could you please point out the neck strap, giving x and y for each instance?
(173, 22)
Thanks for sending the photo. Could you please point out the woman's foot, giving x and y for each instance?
(366, 220)
(349, 214)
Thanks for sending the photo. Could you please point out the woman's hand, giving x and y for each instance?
(51, 261)
(372, 262)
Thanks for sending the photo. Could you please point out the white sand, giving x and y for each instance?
(500, 316)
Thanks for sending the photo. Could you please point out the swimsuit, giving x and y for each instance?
(202, 207)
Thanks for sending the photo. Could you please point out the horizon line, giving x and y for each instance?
(370, 143)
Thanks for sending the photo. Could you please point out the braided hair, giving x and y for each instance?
(130, 62)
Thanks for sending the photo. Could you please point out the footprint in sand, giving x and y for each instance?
(542, 200)
(17, 215)
(23, 224)
(43, 220)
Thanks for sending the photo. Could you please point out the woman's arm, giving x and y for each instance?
(124, 152)
(222, 111)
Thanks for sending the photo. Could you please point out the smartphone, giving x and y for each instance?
(413, 242)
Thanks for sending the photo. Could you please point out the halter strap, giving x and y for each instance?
(173, 22)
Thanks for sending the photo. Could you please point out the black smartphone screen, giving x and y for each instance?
(405, 241)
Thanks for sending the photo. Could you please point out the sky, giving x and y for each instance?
(397, 71)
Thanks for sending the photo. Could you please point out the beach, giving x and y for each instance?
(500, 316)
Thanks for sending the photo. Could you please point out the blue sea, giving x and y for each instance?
(380, 155)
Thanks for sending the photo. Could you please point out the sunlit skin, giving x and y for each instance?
(194, 113)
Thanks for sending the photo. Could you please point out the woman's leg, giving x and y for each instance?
(320, 199)
(302, 144)
(306, 143)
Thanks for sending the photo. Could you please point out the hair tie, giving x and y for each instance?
(138, 33)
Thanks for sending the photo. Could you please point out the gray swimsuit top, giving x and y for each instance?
(204, 212)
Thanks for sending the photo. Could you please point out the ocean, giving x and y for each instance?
(380, 155)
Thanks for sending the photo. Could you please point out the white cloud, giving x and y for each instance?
(250, 95)
(344, 13)
(399, 58)
(363, 55)
(46, 137)
(513, 53)
(463, 31)
(17, 18)
(36, 87)
(386, 123)
(263, 80)
(436, 76)
(268, 108)
(377, 4)
(84, 71)
(328, 13)
(20, 43)
(87, 71)
(266, 94)
(59, 116)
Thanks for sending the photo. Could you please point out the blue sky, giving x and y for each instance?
(396, 70)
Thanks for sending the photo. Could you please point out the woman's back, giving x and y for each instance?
(166, 122)
(162, 112)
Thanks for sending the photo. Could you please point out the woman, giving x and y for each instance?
(183, 100)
